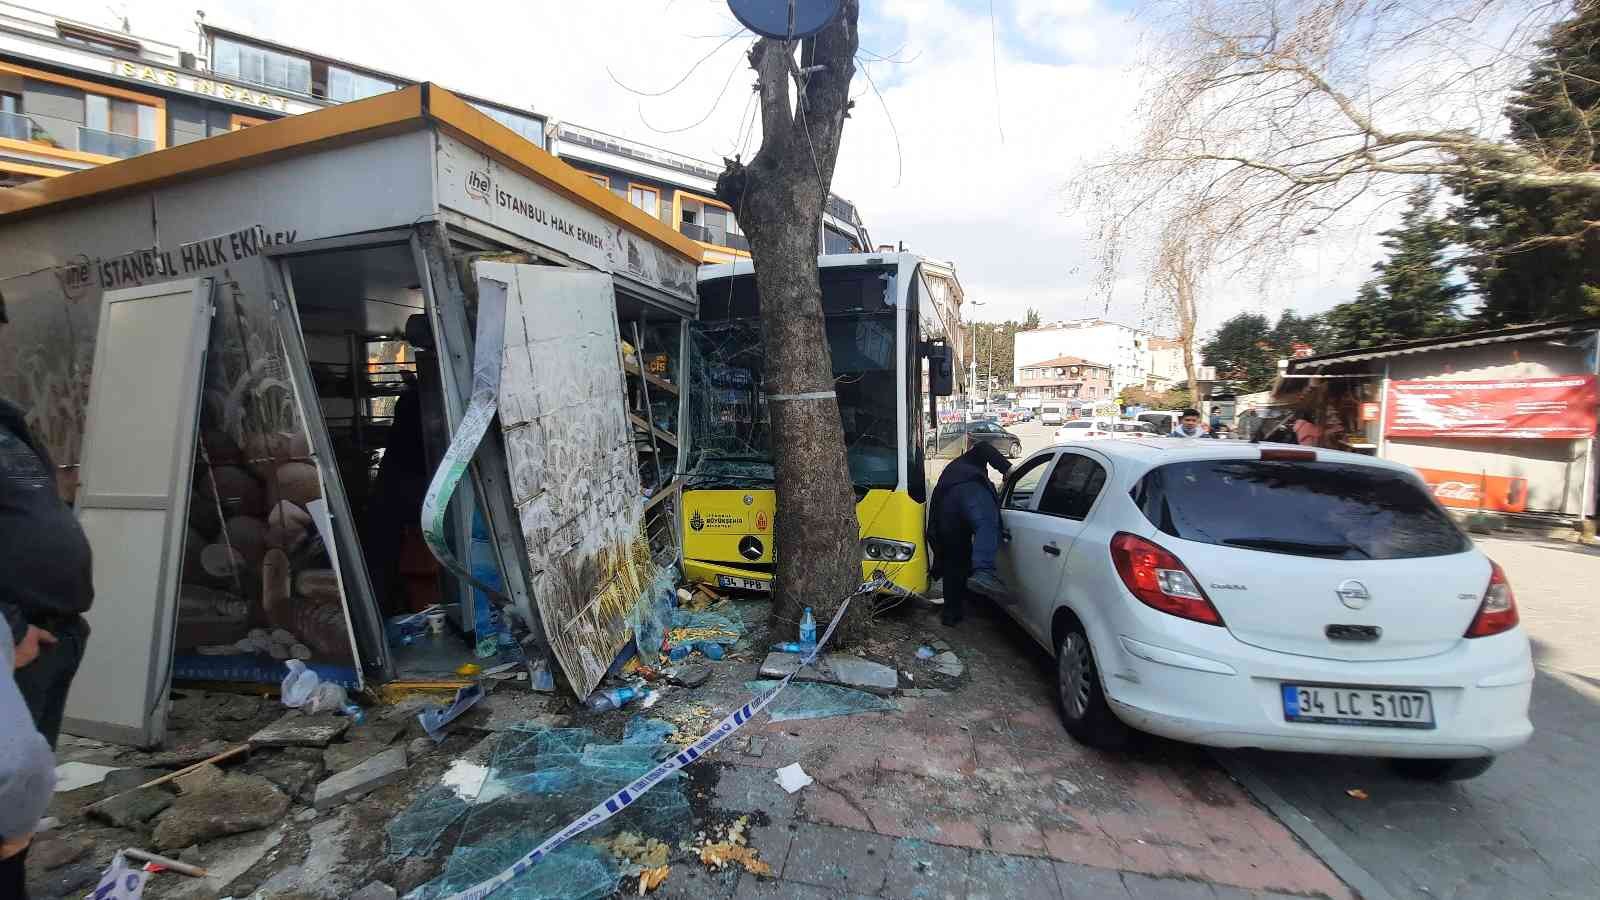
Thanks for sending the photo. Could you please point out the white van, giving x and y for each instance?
(1052, 414)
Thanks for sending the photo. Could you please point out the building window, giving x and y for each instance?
(646, 198)
(530, 127)
(116, 127)
(261, 66)
(236, 122)
(345, 85)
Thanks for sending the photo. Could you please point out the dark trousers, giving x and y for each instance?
(957, 598)
(45, 681)
(13, 877)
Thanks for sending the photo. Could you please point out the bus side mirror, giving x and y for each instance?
(941, 374)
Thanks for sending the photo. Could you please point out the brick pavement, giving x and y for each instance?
(979, 793)
(1527, 827)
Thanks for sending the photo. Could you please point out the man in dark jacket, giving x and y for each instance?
(45, 578)
(964, 528)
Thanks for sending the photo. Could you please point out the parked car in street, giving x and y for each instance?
(1052, 413)
(1284, 598)
(1132, 428)
(948, 442)
(1085, 430)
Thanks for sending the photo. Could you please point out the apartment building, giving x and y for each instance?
(75, 95)
(1065, 378)
(1121, 348)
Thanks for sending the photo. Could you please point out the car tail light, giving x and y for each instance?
(1289, 454)
(1160, 580)
(1498, 611)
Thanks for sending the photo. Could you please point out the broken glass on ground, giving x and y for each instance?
(814, 700)
(538, 780)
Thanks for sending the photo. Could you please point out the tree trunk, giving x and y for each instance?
(1186, 323)
(778, 199)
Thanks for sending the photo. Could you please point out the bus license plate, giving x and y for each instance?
(744, 584)
(1347, 705)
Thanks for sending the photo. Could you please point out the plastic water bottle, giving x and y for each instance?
(709, 649)
(808, 628)
(356, 713)
(680, 652)
(616, 698)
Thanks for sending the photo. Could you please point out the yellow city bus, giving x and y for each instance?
(890, 319)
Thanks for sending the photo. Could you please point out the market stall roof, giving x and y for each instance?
(1532, 330)
(419, 106)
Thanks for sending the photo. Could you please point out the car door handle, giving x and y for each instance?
(1052, 549)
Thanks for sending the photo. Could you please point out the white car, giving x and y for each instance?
(1085, 430)
(1283, 598)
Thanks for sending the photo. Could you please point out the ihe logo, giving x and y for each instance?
(478, 185)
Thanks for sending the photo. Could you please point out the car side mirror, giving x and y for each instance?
(941, 371)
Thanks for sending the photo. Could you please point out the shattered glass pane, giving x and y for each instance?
(416, 831)
(652, 615)
(641, 730)
(811, 700)
(537, 781)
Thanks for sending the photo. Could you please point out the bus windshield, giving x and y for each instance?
(729, 425)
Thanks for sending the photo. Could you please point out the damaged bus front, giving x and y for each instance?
(882, 322)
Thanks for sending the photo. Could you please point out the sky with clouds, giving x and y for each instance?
(960, 143)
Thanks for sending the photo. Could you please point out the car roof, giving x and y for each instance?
(1148, 452)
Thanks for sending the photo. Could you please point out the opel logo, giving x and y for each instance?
(1353, 594)
(750, 547)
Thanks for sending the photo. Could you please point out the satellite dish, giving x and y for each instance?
(773, 18)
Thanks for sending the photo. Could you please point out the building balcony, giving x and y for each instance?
(18, 127)
(716, 238)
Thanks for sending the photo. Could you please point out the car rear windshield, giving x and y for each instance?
(1328, 510)
(1077, 425)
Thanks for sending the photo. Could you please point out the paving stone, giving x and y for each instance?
(295, 730)
(695, 882)
(920, 870)
(367, 776)
(947, 663)
(1144, 887)
(839, 859)
(236, 804)
(1089, 882)
(753, 888)
(295, 777)
(756, 747)
(54, 852)
(192, 855)
(380, 732)
(749, 788)
(377, 890)
(338, 757)
(505, 709)
(419, 747)
(691, 676)
(130, 809)
(184, 756)
(126, 779)
(849, 671)
(204, 776)
(996, 876)
(238, 708)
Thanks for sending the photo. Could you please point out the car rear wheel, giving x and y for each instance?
(1442, 769)
(1080, 699)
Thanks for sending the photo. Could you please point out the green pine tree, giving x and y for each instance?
(1535, 254)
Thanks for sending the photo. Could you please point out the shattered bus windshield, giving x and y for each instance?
(730, 428)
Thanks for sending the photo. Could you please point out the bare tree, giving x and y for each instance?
(779, 197)
(1182, 261)
(1283, 118)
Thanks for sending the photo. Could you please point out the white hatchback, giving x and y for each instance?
(1257, 595)
(1085, 430)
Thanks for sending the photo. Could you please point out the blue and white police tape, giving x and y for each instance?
(622, 799)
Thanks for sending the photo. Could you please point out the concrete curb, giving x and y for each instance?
(1332, 855)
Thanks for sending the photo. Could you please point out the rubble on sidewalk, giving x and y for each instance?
(235, 804)
(834, 668)
(296, 730)
(368, 775)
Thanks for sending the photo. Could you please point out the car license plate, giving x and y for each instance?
(744, 584)
(1348, 705)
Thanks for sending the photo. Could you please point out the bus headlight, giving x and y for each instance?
(885, 550)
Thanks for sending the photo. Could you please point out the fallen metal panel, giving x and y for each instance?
(569, 448)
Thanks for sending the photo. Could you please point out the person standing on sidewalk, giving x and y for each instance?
(964, 528)
(46, 583)
(1189, 426)
(27, 776)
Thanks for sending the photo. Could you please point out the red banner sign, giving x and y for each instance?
(1557, 408)
(1468, 491)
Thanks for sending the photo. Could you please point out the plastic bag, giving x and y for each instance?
(329, 697)
(299, 684)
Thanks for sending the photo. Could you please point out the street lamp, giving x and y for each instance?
(990, 377)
